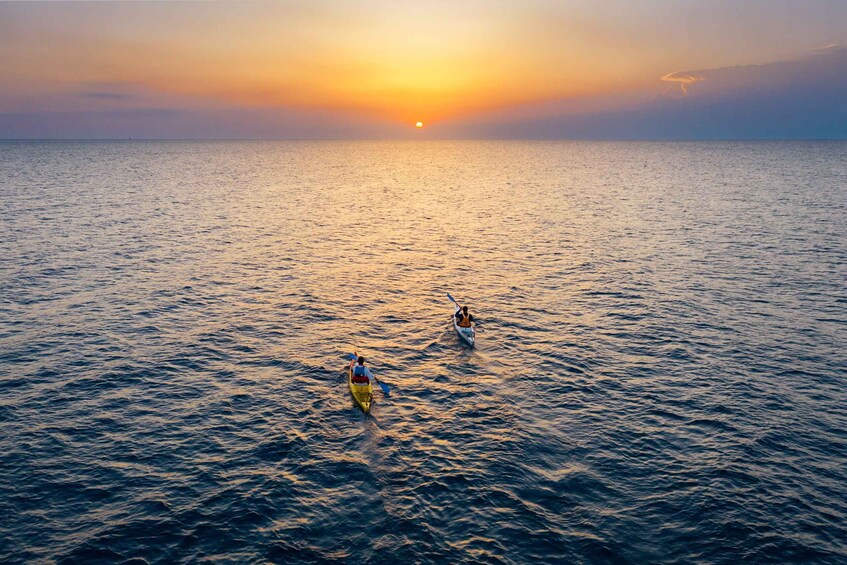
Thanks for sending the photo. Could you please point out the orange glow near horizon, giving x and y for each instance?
(370, 62)
(390, 63)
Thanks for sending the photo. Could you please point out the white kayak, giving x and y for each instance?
(467, 334)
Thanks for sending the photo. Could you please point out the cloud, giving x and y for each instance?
(826, 48)
(98, 95)
(684, 79)
(819, 68)
(802, 98)
(187, 123)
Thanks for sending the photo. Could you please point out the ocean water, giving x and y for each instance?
(659, 375)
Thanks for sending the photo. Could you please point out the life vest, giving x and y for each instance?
(465, 322)
(359, 375)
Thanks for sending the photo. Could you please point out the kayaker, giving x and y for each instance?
(361, 374)
(463, 318)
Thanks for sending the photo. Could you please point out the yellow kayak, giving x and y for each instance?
(362, 393)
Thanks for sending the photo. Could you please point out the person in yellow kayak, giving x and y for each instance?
(463, 318)
(361, 374)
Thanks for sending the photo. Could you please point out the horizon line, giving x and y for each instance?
(346, 139)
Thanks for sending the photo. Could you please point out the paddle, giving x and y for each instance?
(385, 388)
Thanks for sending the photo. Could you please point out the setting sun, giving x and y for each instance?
(419, 124)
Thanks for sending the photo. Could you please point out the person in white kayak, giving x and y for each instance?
(361, 374)
(463, 318)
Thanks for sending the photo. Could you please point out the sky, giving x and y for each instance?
(528, 69)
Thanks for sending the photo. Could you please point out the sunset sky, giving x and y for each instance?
(372, 69)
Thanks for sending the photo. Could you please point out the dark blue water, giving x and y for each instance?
(659, 374)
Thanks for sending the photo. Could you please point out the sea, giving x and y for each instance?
(660, 372)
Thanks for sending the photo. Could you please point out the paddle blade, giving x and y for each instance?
(352, 356)
(384, 387)
(451, 298)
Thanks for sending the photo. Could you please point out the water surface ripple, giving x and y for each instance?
(659, 377)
